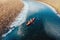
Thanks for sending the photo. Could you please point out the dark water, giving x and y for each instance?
(45, 26)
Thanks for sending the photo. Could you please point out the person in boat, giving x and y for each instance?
(35, 21)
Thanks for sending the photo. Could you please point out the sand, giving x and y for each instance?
(9, 9)
(53, 3)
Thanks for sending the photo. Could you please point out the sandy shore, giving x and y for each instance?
(9, 9)
(53, 3)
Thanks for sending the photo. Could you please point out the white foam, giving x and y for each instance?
(53, 9)
(19, 19)
(22, 17)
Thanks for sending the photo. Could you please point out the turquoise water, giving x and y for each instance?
(46, 23)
